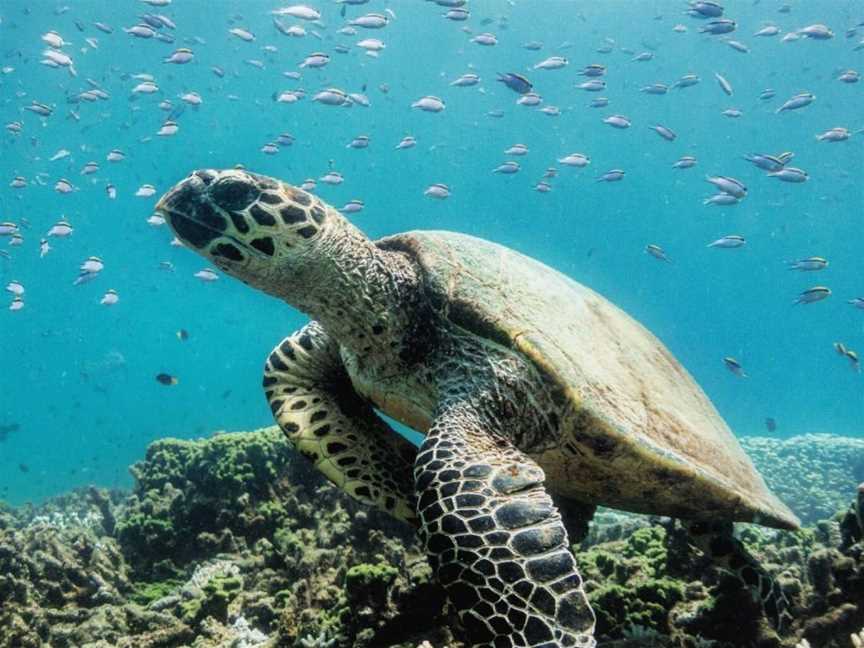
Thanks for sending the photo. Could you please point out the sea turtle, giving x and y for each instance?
(521, 379)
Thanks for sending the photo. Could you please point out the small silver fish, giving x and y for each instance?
(615, 175)
(316, 60)
(180, 57)
(809, 264)
(242, 34)
(811, 295)
(617, 121)
(593, 85)
(687, 81)
(685, 162)
(332, 178)
(729, 242)
(724, 84)
(728, 185)
(466, 80)
(796, 102)
(790, 174)
(575, 160)
(517, 149)
(552, 63)
(816, 32)
(437, 190)
(429, 103)
(507, 168)
(655, 89)
(110, 298)
(666, 133)
(352, 206)
(734, 366)
(359, 142)
(717, 27)
(721, 199)
(657, 252)
(486, 39)
(407, 142)
(837, 134)
(60, 229)
(206, 275)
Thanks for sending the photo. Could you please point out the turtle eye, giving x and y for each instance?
(233, 193)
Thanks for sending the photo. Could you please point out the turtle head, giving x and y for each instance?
(255, 228)
(288, 243)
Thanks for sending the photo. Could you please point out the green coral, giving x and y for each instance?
(145, 593)
(218, 594)
(195, 498)
(368, 584)
(632, 585)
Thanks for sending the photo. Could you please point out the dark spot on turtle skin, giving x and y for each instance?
(228, 251)
(318, 215)
(322, 431)
(277, 363)
(270, 198)
(305, 341)
(269, 381)
(264, 245)
(317, 416)
(298, 404)
(301, 197)
(205, 214)
(232, 193)
(363, 491)
(307, 232)
(275, 405)
(262, 216)
(292, 214)
(192, 232)
(335, 448)
(290, 428)
(287, 349)
(239, 222)
(346, 461)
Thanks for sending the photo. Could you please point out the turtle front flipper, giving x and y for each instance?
(716, 540)
(495, 539)
(314, 402)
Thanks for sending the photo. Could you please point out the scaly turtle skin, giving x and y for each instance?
(520, 378)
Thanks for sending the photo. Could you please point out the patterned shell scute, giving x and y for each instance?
(614, 372)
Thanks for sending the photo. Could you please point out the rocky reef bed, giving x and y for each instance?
(233, 541)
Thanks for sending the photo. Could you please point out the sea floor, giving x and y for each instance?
(234, 541)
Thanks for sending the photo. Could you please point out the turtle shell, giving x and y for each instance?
(636, 431)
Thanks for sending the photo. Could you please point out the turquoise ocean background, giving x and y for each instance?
(78, 378)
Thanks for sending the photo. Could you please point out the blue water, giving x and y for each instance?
(79, 377)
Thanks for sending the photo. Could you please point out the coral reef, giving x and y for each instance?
(234, 541)
(812, 473)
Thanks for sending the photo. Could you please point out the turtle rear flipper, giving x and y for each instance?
(716, 540)
(495, 539)
(325, 420)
